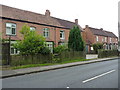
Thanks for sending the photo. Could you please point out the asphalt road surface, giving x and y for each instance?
(95, 75)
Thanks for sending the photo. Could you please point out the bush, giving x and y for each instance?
(97, 46)
(44, 50)
(60, 49)
(107, 53)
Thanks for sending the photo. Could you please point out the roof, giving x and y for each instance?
(19, 14)
(102, 32)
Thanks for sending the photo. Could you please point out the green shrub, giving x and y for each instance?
(60, 49)
(44, 50)
(97, 46)
(107, 53)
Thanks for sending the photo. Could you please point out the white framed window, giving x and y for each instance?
(13, 51)
(32, 28)
(105, 39)
(46, 32)
(10, 29)
(62, 34)
(110, 40)
(62, 43)
(97, 38)
(50, 46)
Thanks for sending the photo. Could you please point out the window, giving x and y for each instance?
(10, 29)
(46, 32)
(13, 51)
(32, 28)
(96, 38)
(105, 39)
(50, 46)
(62, 34)
(110, 40)
(62, 43)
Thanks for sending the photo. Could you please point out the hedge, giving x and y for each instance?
(107, 53)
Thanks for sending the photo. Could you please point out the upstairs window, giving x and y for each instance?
(46, 32)
(110, 40)
(105, 39)
(10, 29)
(32, 28)
(62, 34)
(97, 38)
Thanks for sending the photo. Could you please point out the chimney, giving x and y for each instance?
(76, 21)
(86, 26)
(101, 28)
(47, 13)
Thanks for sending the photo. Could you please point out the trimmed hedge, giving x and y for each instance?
(68, 55)
(107, 53)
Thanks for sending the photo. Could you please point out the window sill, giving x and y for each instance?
(10, 34)
(62, 38)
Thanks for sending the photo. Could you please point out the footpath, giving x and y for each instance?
(17, 72)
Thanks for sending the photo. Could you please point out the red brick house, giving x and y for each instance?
(55, 30)
(94, 35)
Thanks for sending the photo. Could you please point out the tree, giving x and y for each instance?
(75, 40)
(32, 42)
(97, 46)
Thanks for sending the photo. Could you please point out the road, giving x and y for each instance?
(95, 75)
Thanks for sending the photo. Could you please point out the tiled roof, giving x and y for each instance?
(101, 32)
(19, 14)
(110, 34)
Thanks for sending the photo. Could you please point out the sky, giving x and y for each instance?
(95, 13)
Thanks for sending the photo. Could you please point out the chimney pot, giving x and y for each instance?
(101, 28)
(86, 26)
(47, 13)
(76, 21)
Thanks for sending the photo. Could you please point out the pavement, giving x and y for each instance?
(17, 72)
(95, 75)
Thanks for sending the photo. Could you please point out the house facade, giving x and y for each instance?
(55, 30)
(94, 35)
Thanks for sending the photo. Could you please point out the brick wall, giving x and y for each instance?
(54, 34)
(88, 35)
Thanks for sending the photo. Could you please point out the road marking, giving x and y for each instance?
(98, 76)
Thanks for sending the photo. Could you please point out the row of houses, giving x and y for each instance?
(55, 30)
(95, 35)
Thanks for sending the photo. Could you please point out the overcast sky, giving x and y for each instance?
(95, 13)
